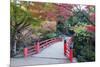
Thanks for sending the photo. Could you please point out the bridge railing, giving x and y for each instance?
(68, 49)
(39, 46)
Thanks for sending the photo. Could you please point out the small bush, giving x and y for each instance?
(50, 35)
(84, 48)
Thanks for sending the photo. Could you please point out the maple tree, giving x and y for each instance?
(20, 19)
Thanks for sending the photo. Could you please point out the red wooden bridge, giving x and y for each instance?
(51, 51)
(39, 46)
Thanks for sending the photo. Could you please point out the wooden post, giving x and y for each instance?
(25, 52)
(71, 55)
(37, 47)
(65, 47)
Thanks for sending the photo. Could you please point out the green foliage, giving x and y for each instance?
(80, 16)
(84, 48)
(20, 19)
(60, 28)
(21, 16)
(50, 35)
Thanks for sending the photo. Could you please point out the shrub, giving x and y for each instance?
(50, 35)
(84, 46)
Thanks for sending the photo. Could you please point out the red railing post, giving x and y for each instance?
(25, 52)
(65, 47)
(38, 47)
(71, 50)
(71, 55)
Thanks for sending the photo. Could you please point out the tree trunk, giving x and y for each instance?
(14, 47)
(13, 44)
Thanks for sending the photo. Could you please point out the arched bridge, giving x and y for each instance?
(55, 50)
